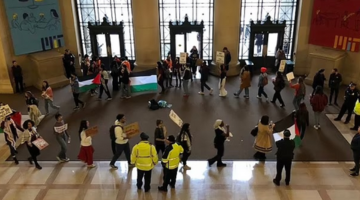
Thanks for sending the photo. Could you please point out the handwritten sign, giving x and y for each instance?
(132, 129)
(40, 143)
(5, 111)
(92, 131)
(183, 58)
(290, 76)
(220, 57)
(61, 129)
(282, 66)
(175, 118)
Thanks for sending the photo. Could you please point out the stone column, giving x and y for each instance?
(146, 33)
(227, 32)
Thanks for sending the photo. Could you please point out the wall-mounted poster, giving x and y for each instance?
(35, 25)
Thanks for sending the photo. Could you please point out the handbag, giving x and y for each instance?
(40, 143)
(255, 131)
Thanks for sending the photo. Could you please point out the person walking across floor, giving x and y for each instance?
(160, 135)
(18, 77)
(334, 84)
(300, 91)
(186, 79)
(222, 132)
(61, 138)
(318, 102)
(351, 96)
(355, 147)
(48, 95)
(33, 107)
(263, 138)
(302, 119)
(284, 157)
(121, 142)
(222, 81)
(357, 115)
(29, 136)
(75, 89)
(263, 81)
(104, 83)
(144, 157)
(185, 140)
(279, 84)
(125, 82)
(10, 129)
(319, 80)
(168, 67)
(245, 79)
(204, 76)
(161, 77)
(177, 72)
(170, 162)
(86, 153)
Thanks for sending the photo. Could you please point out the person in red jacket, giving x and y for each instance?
(318, 103)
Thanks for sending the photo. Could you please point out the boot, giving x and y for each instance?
(30, 160)
(15, 160)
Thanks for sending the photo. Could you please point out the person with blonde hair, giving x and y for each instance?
(222, 132)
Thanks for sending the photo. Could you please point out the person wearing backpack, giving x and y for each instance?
(121, 141)
(279, 84)
(33, 110)
(144, 157)
(300, 91)
(263, 81)
(318, 103)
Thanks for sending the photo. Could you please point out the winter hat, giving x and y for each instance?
(287, 133)
(144, 136)
(263, 69)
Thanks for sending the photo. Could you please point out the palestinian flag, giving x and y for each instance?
(289, 123)
(89, 82)
(144, 81)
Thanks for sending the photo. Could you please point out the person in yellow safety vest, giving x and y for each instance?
(170, 162)
(357, 115)
(144, 156)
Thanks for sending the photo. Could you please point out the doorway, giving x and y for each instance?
(186, 41)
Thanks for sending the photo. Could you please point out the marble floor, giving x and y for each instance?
(238, 181)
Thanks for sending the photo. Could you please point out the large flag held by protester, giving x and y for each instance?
(143, 81)
(89, 82)
(289, 123)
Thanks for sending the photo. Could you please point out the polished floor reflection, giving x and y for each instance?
(238, 181)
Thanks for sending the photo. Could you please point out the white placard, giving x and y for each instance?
(290, 76)
(183, 58)
(175, 118)
(220, 57)
(5, 111)
(282, 66)
(61, 129)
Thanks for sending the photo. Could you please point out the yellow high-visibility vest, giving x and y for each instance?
(357, 108)
(144, 156)
(173, 158)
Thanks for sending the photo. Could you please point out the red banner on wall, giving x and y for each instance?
(336, 24)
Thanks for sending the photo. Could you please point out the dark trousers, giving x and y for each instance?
(169, 177)
(332, 92)
(113, 147)
(115, 83)
(279, 167)
(13, 151)
(70, 69)
(161, 84)
(302, 128)
(220, 153)
(356, 157)
(262, 92)
(146, 175)
(119, 149)
(160, 147)
(346, 108)
(259, 155)
(357, 122)
(168, 80)
(104, 87)
(203, 84)
(77, 100)
(277, 95)
(19, 85)
(185, 157)
(178, 78)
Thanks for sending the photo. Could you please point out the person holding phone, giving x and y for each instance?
(222, 132)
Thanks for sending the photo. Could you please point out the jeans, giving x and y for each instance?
(261, 91)
(302, 129)
(178, 77)
(241, 89)
(119, 149)
(143, 175)
(49, 102)
(279, 167)
(332, 92)
(186, 86)
(62, 139)
(125, 90)
(220, 153)
(277, 95)
(203, 84)
(297, 101)
(317, 118)
(77, 100)
(19, 84)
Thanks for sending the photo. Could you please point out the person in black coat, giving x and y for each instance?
(284, 157)
(351, 96)
(355, 147)
(18, 77)
(319, 79)
(279, 84)
(204, 71)
(227, 59)
(69, 63)
(334, 84)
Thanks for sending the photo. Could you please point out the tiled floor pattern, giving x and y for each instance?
(238, 181)
(344, 129)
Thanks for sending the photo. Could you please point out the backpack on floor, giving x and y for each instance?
(153, 105)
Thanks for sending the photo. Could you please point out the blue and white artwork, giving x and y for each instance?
(35, 25)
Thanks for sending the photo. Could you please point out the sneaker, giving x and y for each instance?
(69, 140)
(258, 97)
(316, 127)
(160, 188)
(113, 167)
(246, 97)
(83, 106)
(211, 91)
(91, 166)
(128, 97)
(236, 95)
(93, 94)
(277, 183)
(76, 108)
(16, 160)
(38, 167)
(59, 159)
(187, 167)
(66, 160)
(282, 105)
(201, 93)
(108, 99)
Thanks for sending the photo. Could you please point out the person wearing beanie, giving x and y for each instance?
(284, 157)
(170, 162)
(144, 157)
(319, 80)
(263, 81)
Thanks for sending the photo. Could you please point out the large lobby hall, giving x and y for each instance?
(96, 62)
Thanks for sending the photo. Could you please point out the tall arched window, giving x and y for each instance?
(258, 10)
(175, 10)
(114, 10)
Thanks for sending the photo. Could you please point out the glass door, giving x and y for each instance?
(101, 45)
(115, 45)
(180, 44)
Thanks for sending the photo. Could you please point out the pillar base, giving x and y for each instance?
(6, 87)
(234, 69)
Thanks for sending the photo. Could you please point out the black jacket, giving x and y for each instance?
(355, 143)
(319, 79)
(16, 71)
(204, 71)
(351, 96)
(335, 80)
(285, 149)
(67, 59)
(227, 59)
